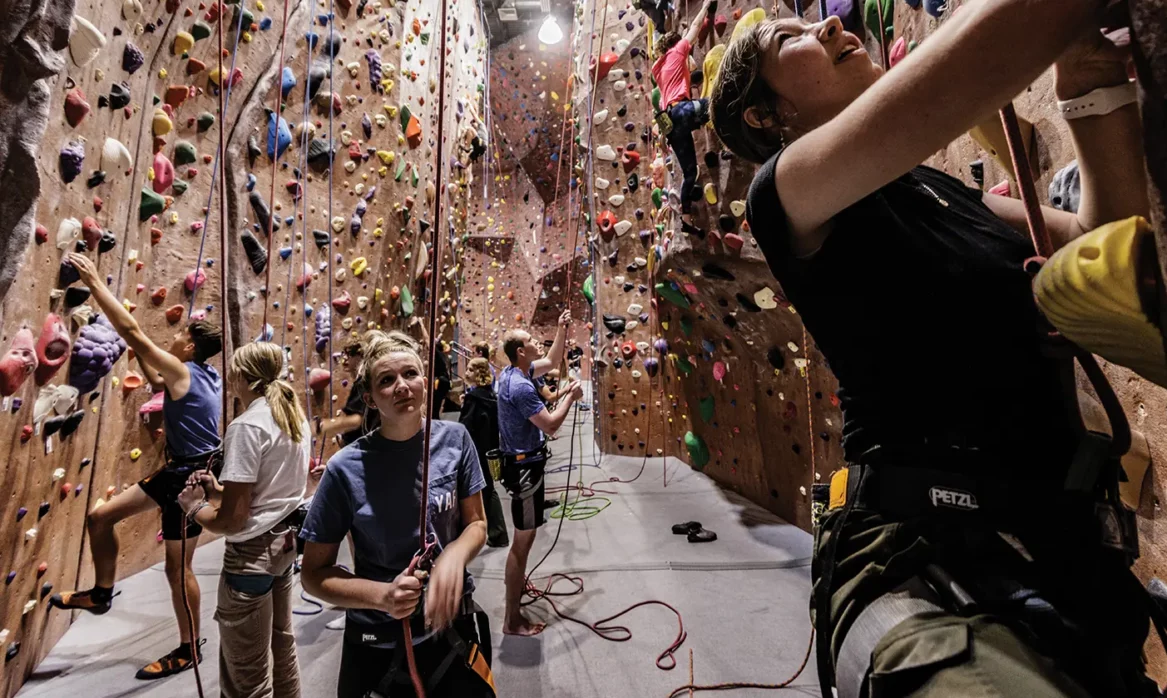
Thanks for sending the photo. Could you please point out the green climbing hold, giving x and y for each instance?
(656, 98)
(157, 100)
(871, 16)
(687, 325)
(589, 289)
(248, 18)
(404, 114)
(698, 451)
(706, 408)
(185, 153)
(152, 204)
(205, 121)
(400, 169)
(200, 30)
(912, 45)
(684, 366)
(179, 187)
(671, 294)
(413, 177)
(406, 302)
(657, 198)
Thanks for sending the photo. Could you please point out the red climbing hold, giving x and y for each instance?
(897, 52)
(42, 234)
(343, 303)
(25, 433)
(606, 63)
(52, 348)
(18, 363)
(719, 371)
(91, 232)
(155, 236)
(174, 313)
(733, 241)
(607, 222)
(76, 108)
(630, 160)
(163, 173)
(97, 204)
(176, 95)
(195, 280)
(158, 296)
(628, 350)
(318, 379)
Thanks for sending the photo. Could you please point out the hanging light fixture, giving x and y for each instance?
(550, 33)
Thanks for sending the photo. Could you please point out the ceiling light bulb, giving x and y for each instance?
(550, 33)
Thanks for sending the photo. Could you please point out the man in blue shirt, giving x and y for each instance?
(523, 419)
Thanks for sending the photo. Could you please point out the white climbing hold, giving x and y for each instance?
(338, 224)
(29, 605)
(737, 208)
(792, 347)
(642, 347)
(622, 46)
(765, 299)
(632, 324)
(622, 227)
(85, 41)
(600, 117)
(640, 261)
(616, 199)
(606, 152)
(618, 280)
(115, 156)
(68, 232)
(350, 166)
(602, 183)
(362, 302)
(30, 534)
(635, 374)
(58, 474)
(620, 86)
(347, 323)
(635, 309)
(131, 10)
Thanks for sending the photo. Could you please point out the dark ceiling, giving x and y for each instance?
(529, 15)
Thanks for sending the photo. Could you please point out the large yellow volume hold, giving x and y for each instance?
(1089, 291)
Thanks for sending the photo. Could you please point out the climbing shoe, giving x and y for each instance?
(684, 529)
(96, 601)
(178, 660)
(702, 536)
(693, 230)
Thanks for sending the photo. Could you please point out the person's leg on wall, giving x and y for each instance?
(103, 544)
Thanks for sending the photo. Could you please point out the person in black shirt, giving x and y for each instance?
(913, 287)
(479, 414)
(358, 418)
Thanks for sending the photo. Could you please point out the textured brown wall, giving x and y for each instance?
(112, 427)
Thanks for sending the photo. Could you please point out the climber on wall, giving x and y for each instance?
(371, 490)
(886, 259)
(523, 420)
(190, 411)
(672, 76)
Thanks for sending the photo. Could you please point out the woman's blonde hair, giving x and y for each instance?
(377, 344)
(740, 85)
(478, 372)
(261, 365)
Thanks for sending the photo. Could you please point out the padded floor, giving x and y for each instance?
(743, 599)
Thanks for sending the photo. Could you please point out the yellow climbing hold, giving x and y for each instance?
(183, 42)
(710, 193)
(359, 265)
(392, 111)
(748, 20)
(135, 454)
(161, 124)
(387, 156)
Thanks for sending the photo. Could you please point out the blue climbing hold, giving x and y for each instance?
(281, 135)
(935, 7)
(914, 4)
(285, 252)
(250, 182)
(265, 23)
(313, 38)
(287, 81)
(307, 310)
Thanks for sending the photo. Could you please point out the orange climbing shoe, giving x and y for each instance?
(92, 600)
(177, 661)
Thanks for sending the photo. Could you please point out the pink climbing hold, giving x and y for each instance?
(163, 172)
(91, 232)
(52, 348)
(19, 363)
(719, 371)
(897, 52)
(1001, 189)
(318, 379)
(195, 280)
(153, 405)
(733, 241)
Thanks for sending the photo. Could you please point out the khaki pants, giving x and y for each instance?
(257, 648)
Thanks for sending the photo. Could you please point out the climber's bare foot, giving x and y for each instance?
(522, 627)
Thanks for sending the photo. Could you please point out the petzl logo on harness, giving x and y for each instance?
(953, 499)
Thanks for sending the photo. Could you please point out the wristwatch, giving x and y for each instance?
(1102, 101)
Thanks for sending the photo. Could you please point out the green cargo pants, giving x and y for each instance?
(934, 655)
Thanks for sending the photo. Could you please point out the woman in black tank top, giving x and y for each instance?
(912, 285)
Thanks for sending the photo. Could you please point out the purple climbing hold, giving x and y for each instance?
(72, 157)
(661, 345)
(651, 366)
(97, 348)
(629, 26)
(323, 327)
(374, 60)
(132, 58)
(634, 51)
(850, 12)
(11, 576)
(21, 513)
(367, 126)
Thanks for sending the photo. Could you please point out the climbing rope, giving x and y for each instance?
(277, 99)
(331, 232)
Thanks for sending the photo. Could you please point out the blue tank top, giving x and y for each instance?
(192, 423)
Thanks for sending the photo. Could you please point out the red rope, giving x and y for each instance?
(1024, 175)
(277, 101)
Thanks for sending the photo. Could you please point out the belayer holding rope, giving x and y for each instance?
(977, 546)
(256, 504)
(371, 490)
(523, 420)
(190, 413)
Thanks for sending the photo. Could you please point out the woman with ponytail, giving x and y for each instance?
(265, 471)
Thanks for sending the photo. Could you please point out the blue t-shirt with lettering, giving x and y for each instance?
(518, 401)
(372, 489)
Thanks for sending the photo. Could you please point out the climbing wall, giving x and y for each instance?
(331, 176)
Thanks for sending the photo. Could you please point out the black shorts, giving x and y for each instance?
(363, 668)
(524, 481)
(164, 486)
